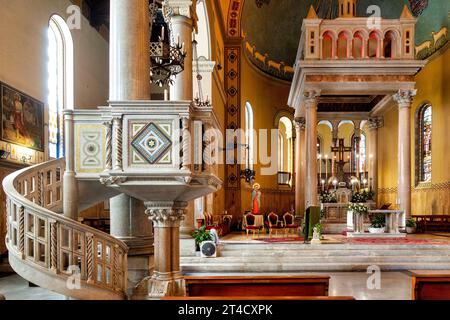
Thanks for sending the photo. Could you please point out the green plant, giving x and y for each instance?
(411, 223)
(358, 207)
(200, 235)
(378, 221)
(327, 197)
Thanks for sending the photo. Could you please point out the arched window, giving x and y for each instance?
(60, 81)
(327, 46)
(285, 151)
(249, 136)
(424, 144)
(372, 45)
(342, 45)
(362, 153)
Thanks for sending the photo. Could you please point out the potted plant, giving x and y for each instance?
(377, 224)
(410, 225)
(200, 235)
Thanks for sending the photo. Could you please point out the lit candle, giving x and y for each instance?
(162, 34)
(320, 166)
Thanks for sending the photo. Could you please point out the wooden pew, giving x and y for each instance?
(430, 284)
(432, 222)
(257, 286)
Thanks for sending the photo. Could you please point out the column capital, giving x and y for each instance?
(357, 132)
(375, 123)
(166, 214)
(183, 8)
(204, 66)
(404, 98)
(300, 123)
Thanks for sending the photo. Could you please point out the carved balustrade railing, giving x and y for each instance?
(48, 242)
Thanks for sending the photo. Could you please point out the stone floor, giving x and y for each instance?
(16, 288)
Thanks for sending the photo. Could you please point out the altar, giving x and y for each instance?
(392, 218)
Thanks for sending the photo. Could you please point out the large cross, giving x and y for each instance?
(341, 149)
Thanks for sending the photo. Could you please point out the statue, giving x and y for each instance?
(316, 235)
(256, 198)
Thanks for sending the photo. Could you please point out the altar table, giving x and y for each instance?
(391, 228)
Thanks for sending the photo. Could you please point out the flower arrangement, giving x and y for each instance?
(378, 221)
(358, 207)
(327, 197)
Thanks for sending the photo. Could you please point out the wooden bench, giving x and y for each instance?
(430, 284)
(257, 286)
(426, 223)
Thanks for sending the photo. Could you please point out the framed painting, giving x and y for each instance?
(22, 118)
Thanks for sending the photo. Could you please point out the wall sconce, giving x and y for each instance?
(4, 154)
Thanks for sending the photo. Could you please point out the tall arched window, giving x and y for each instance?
(425, 118)
(249, 136)
(285, 151)
(60, 81)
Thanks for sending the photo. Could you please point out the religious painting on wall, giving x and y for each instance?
(22, 119)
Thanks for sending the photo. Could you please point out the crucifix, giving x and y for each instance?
(341, 150)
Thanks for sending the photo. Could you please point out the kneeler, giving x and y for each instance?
(312, 217)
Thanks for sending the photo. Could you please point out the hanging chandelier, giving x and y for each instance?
(198, 100)
(167, 57)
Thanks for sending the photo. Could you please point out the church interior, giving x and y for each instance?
(155, 149)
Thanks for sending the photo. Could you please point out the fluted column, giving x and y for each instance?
(299, 124)
(311, 101)
(70, 184)
(404, 100)
(129, 50)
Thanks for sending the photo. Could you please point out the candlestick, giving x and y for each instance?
(320, 166)
(162, 34)
(166, 95)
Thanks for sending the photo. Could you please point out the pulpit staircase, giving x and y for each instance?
(62, 255)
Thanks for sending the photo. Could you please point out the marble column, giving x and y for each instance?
(166, 279)
(374, 124)
(182, 90)
(404, 100)
(299, 124)
(70, 185)
(130, 80)
(182, 28)
(129, 50)
(311, 102)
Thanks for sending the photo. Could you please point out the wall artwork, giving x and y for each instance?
(22, 119)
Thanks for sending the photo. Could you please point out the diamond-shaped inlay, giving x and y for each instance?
(152, 143)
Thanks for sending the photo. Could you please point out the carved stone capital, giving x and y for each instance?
(375, 123)
(181, 8)
(311, 98)
(404, 98)
(166, 214)
(300, 123)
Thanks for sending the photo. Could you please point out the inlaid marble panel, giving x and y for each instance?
(90, 151)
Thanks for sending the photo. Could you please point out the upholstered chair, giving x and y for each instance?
(289, 223)
(250, 224)
(272, 220)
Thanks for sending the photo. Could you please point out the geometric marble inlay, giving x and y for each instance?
(151, 143)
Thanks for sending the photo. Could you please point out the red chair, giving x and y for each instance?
(274, 223)
(250, 224)
(289, 223)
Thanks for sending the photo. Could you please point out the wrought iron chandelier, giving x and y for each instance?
(198, 100)
(167, 57)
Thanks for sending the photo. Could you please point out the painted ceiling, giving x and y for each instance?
(274, 26)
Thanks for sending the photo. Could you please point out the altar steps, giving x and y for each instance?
(300, 257)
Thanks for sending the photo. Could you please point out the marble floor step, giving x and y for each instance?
(297, 246)
(330, 259)
(301, 267)
(224, 252)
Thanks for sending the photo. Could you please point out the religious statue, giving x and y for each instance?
(316, 235)
(256, 198)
